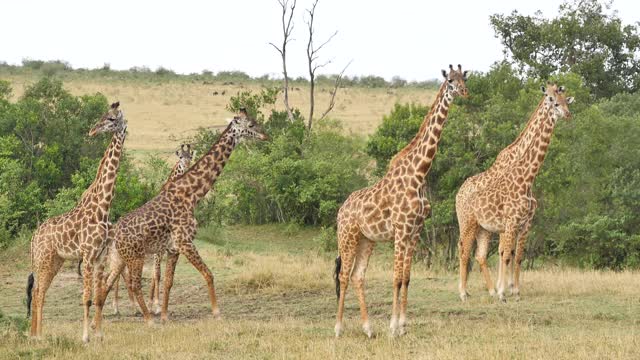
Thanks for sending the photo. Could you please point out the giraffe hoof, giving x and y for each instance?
(464, 296)
(492, 292)
(338, 329)
(216, 314)
(93, 324)
(99, 335)
(367, 330)
(150, 323)
(85, 338)
(502, 298)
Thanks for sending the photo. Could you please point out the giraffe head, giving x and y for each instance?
(112, 121)
(456, 81)
(185, 155)
(558, 101)
(244, 127)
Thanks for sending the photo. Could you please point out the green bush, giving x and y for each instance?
(295, 177)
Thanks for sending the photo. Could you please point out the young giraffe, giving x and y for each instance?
(507, 205)
(81, 232)
(185, 154)
(167, 222)
(393, 209)
(505, 159)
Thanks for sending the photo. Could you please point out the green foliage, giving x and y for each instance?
(395, 132)
(587, 191)
(585, 38)
(130, 192)
(327, 240)
(296, 177)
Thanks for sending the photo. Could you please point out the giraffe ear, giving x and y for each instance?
(543, 89)
(115, 105)
(444, 73)
(177, 153)
(570, 99)
(465, 75)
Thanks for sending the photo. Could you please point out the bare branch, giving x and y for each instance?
(326, 42)
(287, 29)
(312, 57)
(332, 101)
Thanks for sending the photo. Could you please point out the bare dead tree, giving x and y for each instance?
(336, 86)
(287, 28)
(312, 57)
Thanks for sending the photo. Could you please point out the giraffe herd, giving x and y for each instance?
(498, 200)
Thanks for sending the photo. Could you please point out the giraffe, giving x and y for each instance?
(81, 232)
(184, 154)
(394, 208)
(505, 159)
(506, 205)
(167, 222)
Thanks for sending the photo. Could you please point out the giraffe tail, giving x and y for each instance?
(336, 275)
(29, 293)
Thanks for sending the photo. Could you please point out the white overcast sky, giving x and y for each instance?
(410, 38)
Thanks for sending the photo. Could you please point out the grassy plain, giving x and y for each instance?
(278, 302)
(161, 113)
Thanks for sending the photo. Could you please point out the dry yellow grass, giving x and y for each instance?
(159, 111)
(278, 302)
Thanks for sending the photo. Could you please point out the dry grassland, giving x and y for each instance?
(278, 302)
(160, 114)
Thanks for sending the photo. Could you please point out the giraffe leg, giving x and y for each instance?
(506, 257)
(406, 277)
(116, 289)
(172, 260)
(87, 284)
(132, 298)
(347, 244)
(522, 242)
(190, 252)
(98, 301)
(467, 237)
(135, 284)
(483, 239)
(48, 270)
(154, 296)
(363, 252)
(400, 245)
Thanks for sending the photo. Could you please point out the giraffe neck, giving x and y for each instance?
(199, 179)
(534, 156)
(424, 128)
(425, 144)
(178, 170)
(519, 146)
(101, 190)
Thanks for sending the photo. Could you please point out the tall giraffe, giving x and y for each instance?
(184, 154)
(505, 159)
(167, 222)
(506, 205)
(394, 208)
(81, 232)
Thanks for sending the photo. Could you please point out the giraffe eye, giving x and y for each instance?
(450, 81)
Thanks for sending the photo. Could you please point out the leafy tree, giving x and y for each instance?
(585, 38)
